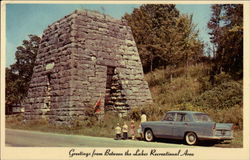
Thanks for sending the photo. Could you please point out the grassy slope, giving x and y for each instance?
(190, 89)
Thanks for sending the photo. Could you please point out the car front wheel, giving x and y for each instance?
(191, 138)
(149, 136)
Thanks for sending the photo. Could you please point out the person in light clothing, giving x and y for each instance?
(118, 132)
(143, 118)
(132, 129)
(125, 131)
(139, 131)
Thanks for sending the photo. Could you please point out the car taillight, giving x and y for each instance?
(213, 129)
(214, 126)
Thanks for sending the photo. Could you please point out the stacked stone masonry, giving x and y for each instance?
(82, 57)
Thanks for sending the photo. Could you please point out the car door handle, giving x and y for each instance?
(186, 124)
(170, 122)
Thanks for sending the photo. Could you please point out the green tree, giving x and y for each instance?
(163, 35)
(187, 48)
(226, 26)
(19, 74)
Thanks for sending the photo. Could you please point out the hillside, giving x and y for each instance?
(190, 89)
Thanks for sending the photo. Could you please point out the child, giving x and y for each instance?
(139, 131)
(118, 132)
(125, 131)
(132, 129)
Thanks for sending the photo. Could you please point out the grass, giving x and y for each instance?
(237, 142)
(98, 128)
(177, 86)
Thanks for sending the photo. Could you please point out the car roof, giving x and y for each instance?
(189, 112)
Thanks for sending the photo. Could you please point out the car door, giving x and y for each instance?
(181, 125)
(165, 127)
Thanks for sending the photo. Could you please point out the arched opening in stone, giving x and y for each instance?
(115, 99)
(110, 74)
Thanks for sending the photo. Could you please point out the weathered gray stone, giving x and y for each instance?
(83, 57)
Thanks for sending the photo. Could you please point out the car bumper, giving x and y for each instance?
(216, 138)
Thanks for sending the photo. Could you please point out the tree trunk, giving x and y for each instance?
(151, 63)
(186, 64)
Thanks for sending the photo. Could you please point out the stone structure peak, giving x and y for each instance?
(85, 57)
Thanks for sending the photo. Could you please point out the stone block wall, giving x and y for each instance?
(82, 57)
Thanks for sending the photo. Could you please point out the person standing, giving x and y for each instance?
(143, 117)
(125, 131)
(118, 131)
(139, 131)
(132, 129)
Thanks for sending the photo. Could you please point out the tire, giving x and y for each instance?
(191, 138)
(148, 135)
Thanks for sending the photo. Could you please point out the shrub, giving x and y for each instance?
(110, 120)
(155, 78)
(135, 113)
(188, 107)
(205, 83)
(222, 78)
(232, 115)
(153, 112)
(80, 122)
(199, 70)
(88, 120)
(222, 96)
(180, 90)
(14, 120)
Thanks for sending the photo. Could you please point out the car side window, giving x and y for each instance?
(182, 117)
(169, 117)
(186, 118)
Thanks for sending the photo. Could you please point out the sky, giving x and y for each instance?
(25, 19)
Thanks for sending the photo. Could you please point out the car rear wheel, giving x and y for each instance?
(149, 136)
(191, 138)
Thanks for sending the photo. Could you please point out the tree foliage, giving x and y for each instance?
(19, 74)
(226, 26)
(164, 36)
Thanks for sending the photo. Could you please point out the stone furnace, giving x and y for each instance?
(82, 58)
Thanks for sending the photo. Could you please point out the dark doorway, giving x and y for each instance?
(110, 74)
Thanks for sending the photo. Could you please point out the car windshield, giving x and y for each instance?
(200, 117)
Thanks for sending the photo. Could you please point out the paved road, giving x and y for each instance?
(21, 138)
